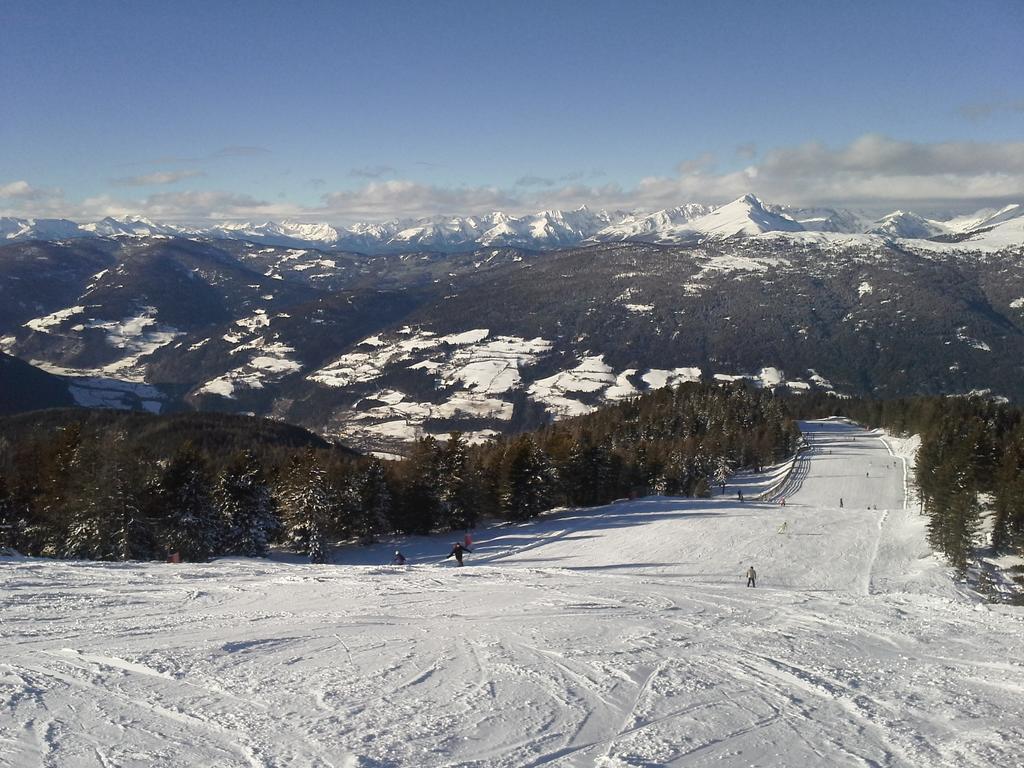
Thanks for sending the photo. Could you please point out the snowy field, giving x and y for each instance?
(619, 636)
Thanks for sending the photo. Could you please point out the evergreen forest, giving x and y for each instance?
(110, 485)
(113, 486)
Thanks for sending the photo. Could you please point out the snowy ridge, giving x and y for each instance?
(747, 216)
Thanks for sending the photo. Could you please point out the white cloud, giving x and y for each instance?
(404, 198)
(183, 207)
(20, 198)
(871, 172)
(215, 204)
(20, 190)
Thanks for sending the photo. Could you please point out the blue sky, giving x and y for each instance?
(351, 111)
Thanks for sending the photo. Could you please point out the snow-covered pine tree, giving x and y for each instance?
(131, 532)
(132, 537)
(307, 504)
(194, 527)
(89, 526)
(246, 506)
(83, 537)
(1008, 526)
(461, 487)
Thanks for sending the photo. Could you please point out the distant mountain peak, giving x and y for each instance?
(746, 216)
(907, 224)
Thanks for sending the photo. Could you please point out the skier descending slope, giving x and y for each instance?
(457, 551)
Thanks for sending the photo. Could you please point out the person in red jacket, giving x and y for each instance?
(457, 552)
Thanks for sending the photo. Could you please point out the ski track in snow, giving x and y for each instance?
(619, 636)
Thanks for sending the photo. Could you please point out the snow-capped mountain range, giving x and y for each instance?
(746, 216)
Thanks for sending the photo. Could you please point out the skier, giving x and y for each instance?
(840, 502)
(399, 558)
(751, 577)
(739, 494)
(783, 502)
(457, 551)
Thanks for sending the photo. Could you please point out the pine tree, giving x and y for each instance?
(108, 523)
(246, 506)
(307, 504)
(62, 469)
(131, 535)
(376, 498)
(529, 482)
(461, 489)
(420, 503)
(1008, 493)
(194, 527)
(90, 511)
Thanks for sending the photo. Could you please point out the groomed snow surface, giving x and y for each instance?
(618, 636)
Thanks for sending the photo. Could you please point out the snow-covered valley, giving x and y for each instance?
(616, 636)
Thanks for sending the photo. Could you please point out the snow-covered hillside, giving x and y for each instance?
(619, 636)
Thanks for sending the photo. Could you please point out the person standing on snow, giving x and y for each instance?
(751, 577)
(399, 558)
(840, 502)
(457, 551)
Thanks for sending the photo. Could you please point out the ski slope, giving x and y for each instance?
(618, 636)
